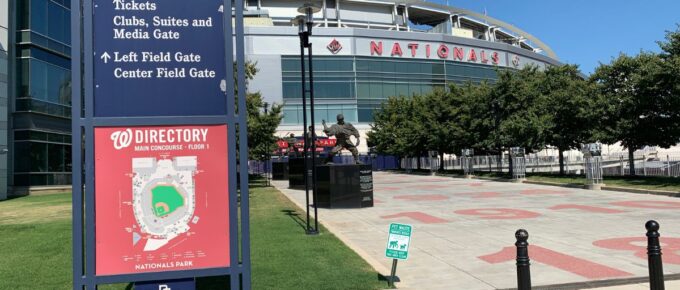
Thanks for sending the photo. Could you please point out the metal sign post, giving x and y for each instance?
(518, 164)
(398, 242)
(468, 166)
(592, 161)
(155, 187)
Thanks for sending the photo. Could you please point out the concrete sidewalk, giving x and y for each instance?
(669, 285)
(463, 231)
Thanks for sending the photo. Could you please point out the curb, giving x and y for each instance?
(581, 186)
(643, 191)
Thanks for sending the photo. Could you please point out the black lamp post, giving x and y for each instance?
(305, 24)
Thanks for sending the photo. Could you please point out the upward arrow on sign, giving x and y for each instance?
(105, 57)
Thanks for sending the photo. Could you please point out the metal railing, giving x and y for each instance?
(612, 165)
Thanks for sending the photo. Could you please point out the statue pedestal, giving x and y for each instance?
(344, 185)
(280, 170)
(296, 168)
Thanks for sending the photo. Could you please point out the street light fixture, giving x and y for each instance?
(308, 10)
(305, 23)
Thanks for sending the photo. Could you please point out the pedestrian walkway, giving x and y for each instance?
(463, 231)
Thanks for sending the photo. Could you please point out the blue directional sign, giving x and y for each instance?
(151, 58)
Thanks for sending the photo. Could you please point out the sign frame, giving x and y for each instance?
(395, 253)
(83, 123)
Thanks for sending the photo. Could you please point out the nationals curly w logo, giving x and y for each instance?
(121, 139)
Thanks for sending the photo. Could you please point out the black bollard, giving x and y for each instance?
(523, 272)
(654, 256)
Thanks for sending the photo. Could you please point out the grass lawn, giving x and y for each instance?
(640, 182)
(35, 234)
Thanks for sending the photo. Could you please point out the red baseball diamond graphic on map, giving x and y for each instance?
(162, 199)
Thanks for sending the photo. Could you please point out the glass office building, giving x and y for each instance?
(40, 110)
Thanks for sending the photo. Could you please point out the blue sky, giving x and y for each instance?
(586, 32)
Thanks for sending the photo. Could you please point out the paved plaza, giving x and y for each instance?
(463, 231)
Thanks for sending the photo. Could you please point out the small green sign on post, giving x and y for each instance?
(398, 241)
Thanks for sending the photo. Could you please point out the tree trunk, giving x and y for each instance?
(499, 163)
(441, 162)
(510, 169)
(561, 156)
(631, 160)
(418, 162)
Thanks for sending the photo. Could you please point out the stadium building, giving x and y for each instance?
(368, 50)
(365, 51)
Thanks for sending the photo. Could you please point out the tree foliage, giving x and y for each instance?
(572, 110)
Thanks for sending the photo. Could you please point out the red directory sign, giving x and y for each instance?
(161, 198)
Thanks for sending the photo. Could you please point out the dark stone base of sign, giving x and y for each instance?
(280, 170)
(344, 185)
(296, 168)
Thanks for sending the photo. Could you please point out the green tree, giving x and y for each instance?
(439, 113)
(477, 117)
(570, 108)
(640, 108)
(397, 127)
(517, 108)
(520, 119)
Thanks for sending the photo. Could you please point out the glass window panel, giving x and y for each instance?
(55, 18)
(66, 20)
(55, 158)
(21, 180)
(35, 135)
(389, 90)
(321, 113)
(402, 67)
(414, 89)
(438, 68)
(67, 159)
(426, 89)
(413, 67)
(23, 16)
(291, 65)
(22, 156)
(402, 89)
(39, 16)
(350, 114)
(363, 65)
(365, 115)
(290, 115)
(38, 179)
(38, 157)
(376, 91)
(376, 66)
(426, 68)
(21, 135)
(38, 80)
(292, 90)
(388, 67)
(363, 90)
(56, 81)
